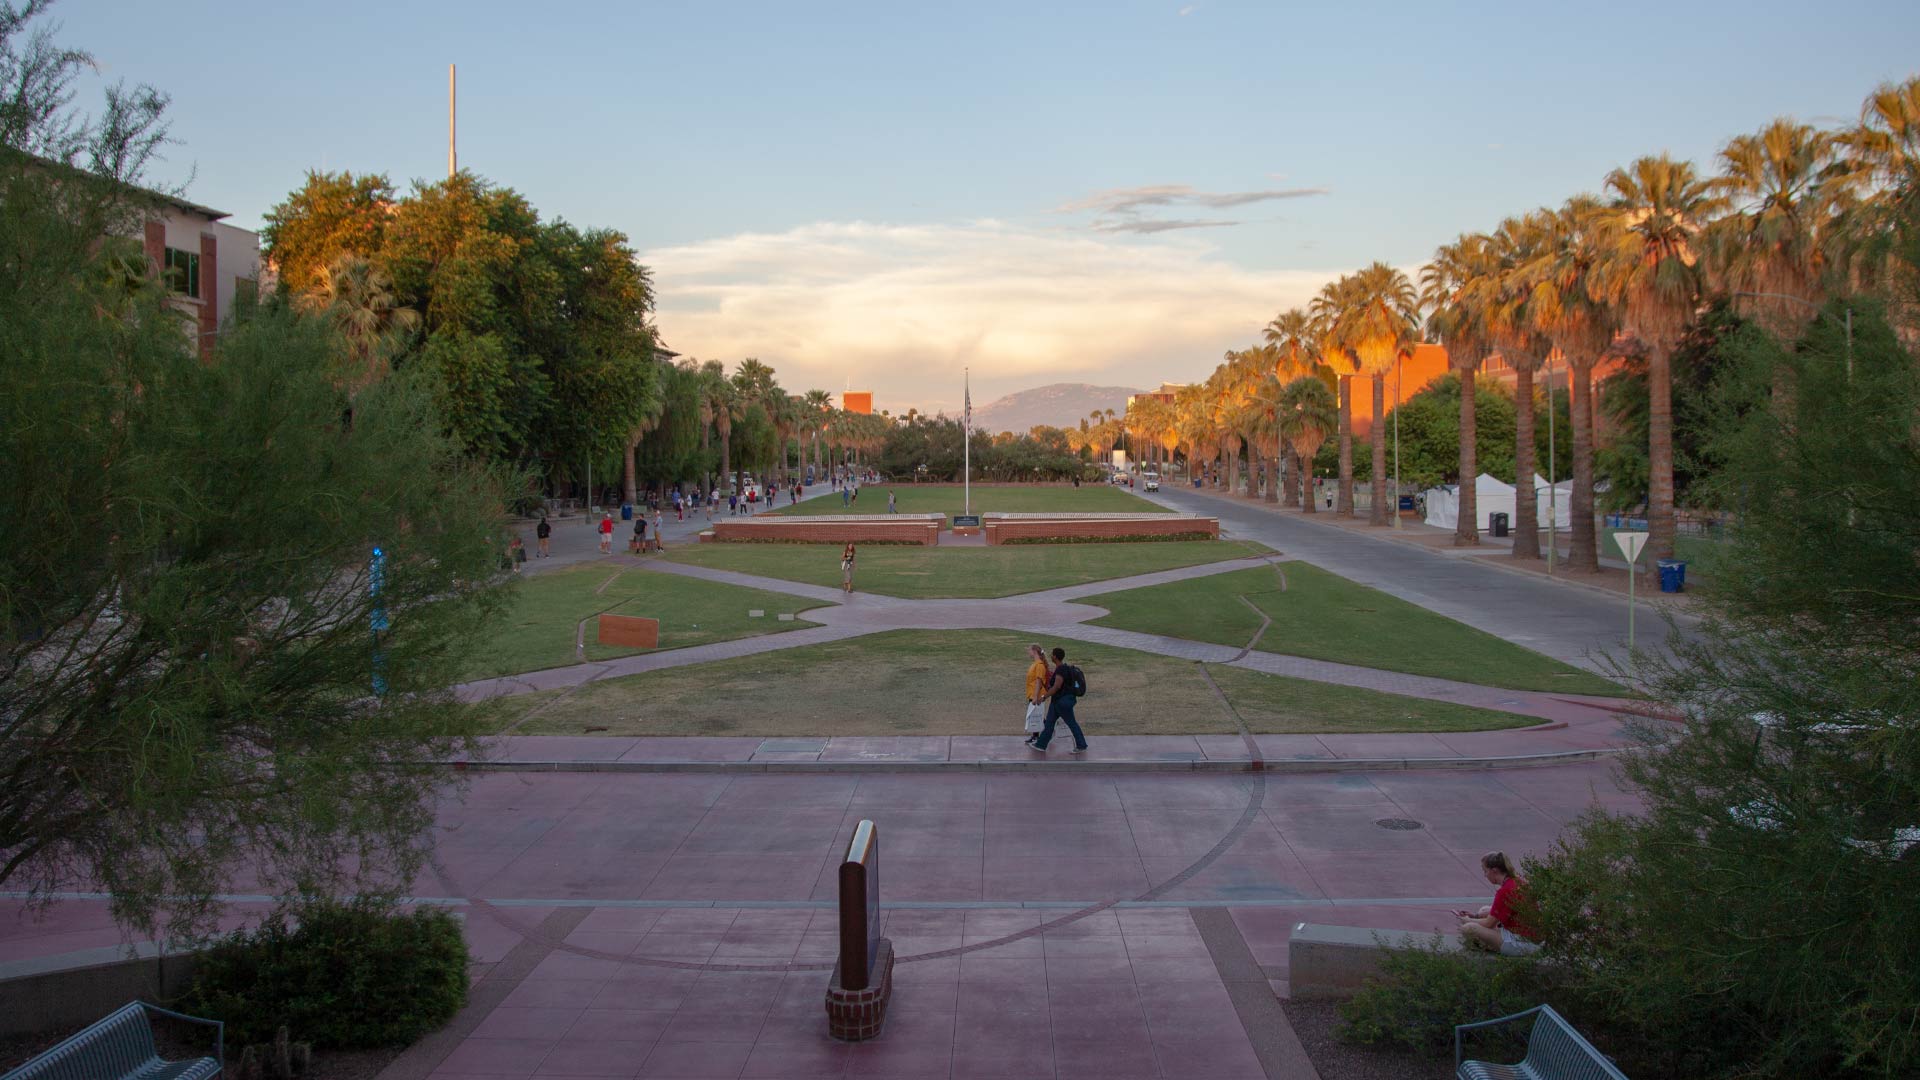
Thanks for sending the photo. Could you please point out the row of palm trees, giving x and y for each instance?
(1795, 215)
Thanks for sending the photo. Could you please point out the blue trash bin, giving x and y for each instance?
(1673, 575)
(626, 511)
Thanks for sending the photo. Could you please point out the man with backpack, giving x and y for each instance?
(1069, 685)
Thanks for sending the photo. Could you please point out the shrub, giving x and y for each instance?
(337, 975)
(1423, 992)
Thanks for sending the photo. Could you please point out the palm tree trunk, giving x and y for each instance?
(1660, 523)
(1233, 470)
(1526, 516)
(1377, 513)
(1345, 507)
(1307, 493)
(1466, 532)
(1584, 553)
(726, 458)
(632, 482)
(1290, 490)
(1278, 467)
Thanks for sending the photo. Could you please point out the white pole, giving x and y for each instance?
(1553, 493)
(453, 157)
(966, 422)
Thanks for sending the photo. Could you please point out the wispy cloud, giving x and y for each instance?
(1148, 226)
(1188, 10)
(1135, 199)
(901, 308)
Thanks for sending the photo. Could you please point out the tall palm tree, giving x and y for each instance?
(1650, 272)
(723, 403)
(1329, 310)
(1450, 284)
(1563, 306)
(819, 406)
(1381, 328)
(1514, 246)
(1307, 414)
(1291, 335)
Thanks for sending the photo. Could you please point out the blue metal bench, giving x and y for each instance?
(1554, 1052)
(120, 1047)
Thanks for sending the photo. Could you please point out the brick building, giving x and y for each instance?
(206, 263)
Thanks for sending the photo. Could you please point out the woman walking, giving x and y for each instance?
(1039, 677)
(846, 570)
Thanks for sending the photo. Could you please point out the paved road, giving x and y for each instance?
(1574, 625)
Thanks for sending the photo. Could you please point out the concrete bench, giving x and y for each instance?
(1335, 961)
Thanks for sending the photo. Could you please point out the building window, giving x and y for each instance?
(183, 272)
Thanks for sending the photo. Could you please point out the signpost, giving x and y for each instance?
(863, 978)
(377, 618)
(1630, 544)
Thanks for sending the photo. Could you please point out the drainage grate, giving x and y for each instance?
(1399, 824)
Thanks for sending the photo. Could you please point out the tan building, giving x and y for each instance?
(207, 264)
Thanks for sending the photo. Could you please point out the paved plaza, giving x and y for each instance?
(664, 907)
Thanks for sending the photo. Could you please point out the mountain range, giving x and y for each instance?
(1058, 404)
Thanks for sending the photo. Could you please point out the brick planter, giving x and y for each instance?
(921, 529)
(857, 1015)
(1002, 528)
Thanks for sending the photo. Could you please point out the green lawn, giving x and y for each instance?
(1698, 552)
(1008, 499)
(537, 629)
(1326, 617)
(914, 682)
(919, 572)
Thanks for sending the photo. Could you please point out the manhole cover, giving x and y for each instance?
(1399, 824)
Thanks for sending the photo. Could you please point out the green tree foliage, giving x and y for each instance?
(938, 443)
(333, 214)
(1758, 917)
(186, 660)
(672, 450)
(1430, 434)
(1696, 363)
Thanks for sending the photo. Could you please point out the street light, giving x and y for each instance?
(1396, 441)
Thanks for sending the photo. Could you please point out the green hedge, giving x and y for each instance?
(337, 975)
(1422, 993)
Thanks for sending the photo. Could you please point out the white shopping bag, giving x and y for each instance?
(1036, 716)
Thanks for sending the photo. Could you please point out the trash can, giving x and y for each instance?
(1498, 522)
(626, 511)
(1673, 575)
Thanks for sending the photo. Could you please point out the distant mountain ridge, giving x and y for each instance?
(1058, 404)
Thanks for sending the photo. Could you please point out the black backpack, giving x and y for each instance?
(1073, 680)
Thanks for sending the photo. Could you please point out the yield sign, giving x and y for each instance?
(1630, 544)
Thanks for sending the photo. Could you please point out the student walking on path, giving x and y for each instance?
(846, 570)
(1063, 691)
(892, 507)
(606, 534)
(1039, 676)
(544, 532)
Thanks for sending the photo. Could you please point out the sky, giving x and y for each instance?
(880, 195)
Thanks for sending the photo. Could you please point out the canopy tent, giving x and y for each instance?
(1490, 496)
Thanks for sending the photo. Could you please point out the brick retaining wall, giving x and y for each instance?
(923, 529)
(1000, 530)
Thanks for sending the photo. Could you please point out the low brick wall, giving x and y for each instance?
(1000, 530)
(923, 529)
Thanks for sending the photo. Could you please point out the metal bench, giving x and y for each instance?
(1554, 1052)
(120, 1047)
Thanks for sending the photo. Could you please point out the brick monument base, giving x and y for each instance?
(854, 1015)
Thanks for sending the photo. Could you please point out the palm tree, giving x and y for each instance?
(1514, 246)
(1650, 272)
(1381, 327)
(818, 407)
(1563, 306)
(357, 297)
(1307, 414)
(1291, 335)
(723, 403)
(1786, 187)
(1329, 310)
(1458, 321)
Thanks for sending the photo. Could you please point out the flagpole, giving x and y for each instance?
(966, 422)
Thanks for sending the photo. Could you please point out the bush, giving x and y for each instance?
(338, 975)
(1422, 993)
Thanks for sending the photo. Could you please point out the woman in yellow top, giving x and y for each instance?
(1039, 678)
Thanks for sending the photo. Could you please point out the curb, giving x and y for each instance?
(1268, 765)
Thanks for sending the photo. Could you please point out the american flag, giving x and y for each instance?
(966, 408)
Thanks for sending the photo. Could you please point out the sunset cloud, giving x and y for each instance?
(900, 309)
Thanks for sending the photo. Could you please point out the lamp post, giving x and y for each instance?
(1396, 442)
(1553, 493)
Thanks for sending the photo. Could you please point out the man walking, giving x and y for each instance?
(1066, 688)
(606, 534)
(892, 508)
(544, 532)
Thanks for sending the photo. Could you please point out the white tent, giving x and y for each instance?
(1490, 496)
(1561, 508)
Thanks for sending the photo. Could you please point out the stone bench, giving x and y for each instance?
(1335, 961)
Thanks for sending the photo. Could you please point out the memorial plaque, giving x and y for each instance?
(860, 908)
(966, 521)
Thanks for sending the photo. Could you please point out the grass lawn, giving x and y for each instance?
(1006, 499)
(968, 682)
(538, 628)
(918, 572)
(1326, 617)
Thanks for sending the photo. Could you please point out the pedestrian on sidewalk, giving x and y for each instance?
(544, 532)
(892, 507)
(639, 542)
(1039, 675)
(846, 569)
(659, 533)
(711, 499)
(1066, 688)
(606, 534)
(846, 495)
(518, 551)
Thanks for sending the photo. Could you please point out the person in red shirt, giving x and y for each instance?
(1499, 927)
(606, 534)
